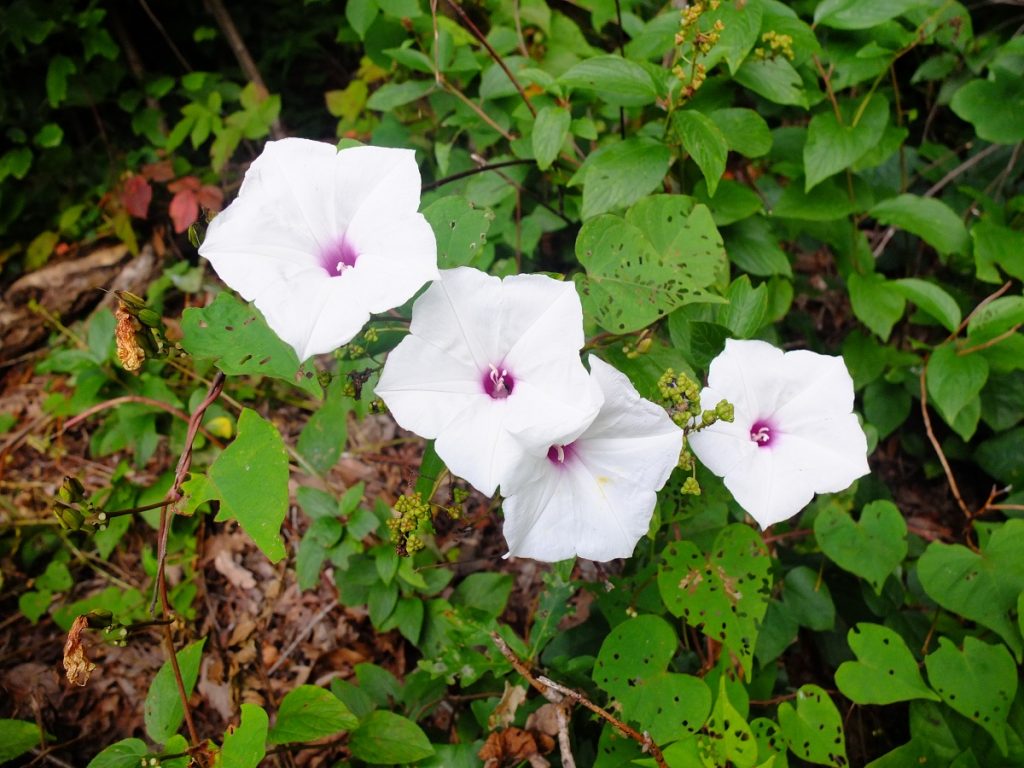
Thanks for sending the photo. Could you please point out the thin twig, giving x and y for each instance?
(472, 172)
(546, 687)
(163, 33)
(245, 60)
(141, 399)
(950, 478)
(468, 22)
(303, 633)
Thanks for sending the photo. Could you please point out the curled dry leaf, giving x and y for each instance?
(76, 664)
(129, 352)
(505, 712)
(513, 745)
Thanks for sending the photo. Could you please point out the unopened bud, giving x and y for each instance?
(725, 411)
(71, 491)
(149, 318)
(99, 618)
(691, 487)
(70, 519)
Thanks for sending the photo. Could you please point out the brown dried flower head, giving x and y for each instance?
(76, 664)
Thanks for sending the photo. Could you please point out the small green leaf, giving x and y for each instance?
(807, 599)
(615, 80)
(57, 79)
(995, 318)
(754, 247)
(861, 14)
(885, 670)
(385, 738)
(549, 131)
(393, 95)
(326, 433)
(814, 729)
(979, 682)
(49, 136)
(980, 586)
(246, 745)
(704, 142)
(876, 302)
(729, 740)
(744, 130)
(127, 753)
(309, 712)
(635, 651)
(993, 107)
(17, 737)
(954, 380)
(460, 229)
(748, 308)
(832, 147)
(239, 341)
(250, 478)
(725, 594)
(487, 592)
(930, 219)
(163, 711)
(775, 79)
(871, 548)
(622, 174)
(931, 299)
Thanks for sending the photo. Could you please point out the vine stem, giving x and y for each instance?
(556, 693)
(141, 399)
(468, 22)
(173, 496)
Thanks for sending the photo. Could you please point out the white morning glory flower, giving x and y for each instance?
(594, 494)
(488, 359)
(318, 239)
(794, 433)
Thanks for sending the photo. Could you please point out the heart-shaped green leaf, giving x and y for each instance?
(982, 587)
(885, 670)
(666, 253)
(979, 682)
(726, 594)
(729, 740)
(814, 728)
(870, 548)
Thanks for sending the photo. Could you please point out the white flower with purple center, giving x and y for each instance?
(319, 239)
(593, 495)
(490, 368)
(794, 433)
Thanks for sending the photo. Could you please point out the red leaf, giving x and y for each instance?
(211, 198)
(184, 210)
(161, 171)
(191, 183)
(136, 195)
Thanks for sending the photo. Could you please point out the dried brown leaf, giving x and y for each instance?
(76, 665)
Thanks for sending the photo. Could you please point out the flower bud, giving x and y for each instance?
(70, 519)
(725, 411)
(99, 618)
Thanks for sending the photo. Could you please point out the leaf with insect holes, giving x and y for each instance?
(729, 740)
(237, 338)
(979, 682)
(664, 254)
(725, 594)
(632, 666)
(460, 229)
(814, 728)
(885, 670)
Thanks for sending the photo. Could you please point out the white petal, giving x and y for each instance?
(458, 314)
(293, 180)
(597, 504)
(476, 445)
(747, 373)
(830, 453)
(816, 386)
(724, 444)
(553, 403)
(395, 258)
(767, 490)
(425, 388)
(373, 182)
(541, 319)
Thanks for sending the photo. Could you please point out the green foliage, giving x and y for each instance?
(163, 712)
(16, 738)
(839, 175)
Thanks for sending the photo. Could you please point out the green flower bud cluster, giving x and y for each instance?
(73, 509)
(682, 396)
(691, 487)
(412, 518)
(371, 336)
(777, 45)
(640, 347)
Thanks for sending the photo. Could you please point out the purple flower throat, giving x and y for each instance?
(762, 432)
(338, 257)
(498, 382)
